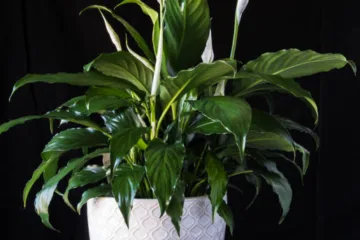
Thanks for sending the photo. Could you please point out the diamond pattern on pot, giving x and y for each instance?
(106, 222)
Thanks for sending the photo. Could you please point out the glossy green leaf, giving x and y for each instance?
(225, 212)
(294, 63)
(163, 164)
(145, 8)
(278, 182)
(217, 179)
(99, 191)
(126, 67)
(138, 57)
(207, 126)
(122, 142)
(234, 114)
(77, 79)
(203, 74)
(118, 121)
(125, 184)
(90, 174)
(292, 125)
(6, 126)
(176, 205)
(112, 34)
(187, 26)
(44, 197)
(132, 31)
(184, 109)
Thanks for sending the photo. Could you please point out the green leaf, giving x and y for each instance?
(112, 34)
(132, 31)
(125, 66)
(90, 174)
(294, 63)
(225, 212)
(291, 125)
(122, 142)
(99, 191)
(119, 121)
(184, 109)
(305, 157)
(203, 74)
(163, 165)
(263, 123)
(77, 79)
(44, 197)
(6, 126)
(234, 114)
(256, 181)
(138, 57)
(206, 126)
(125, 183)
(176, 205)
(187, 26)
(286, 85)
(217, 179)
(278, 182)
(107, 92)
(268, 141)
(145, 8)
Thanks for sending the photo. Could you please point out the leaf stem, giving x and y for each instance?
(240, 173)
(157, 73)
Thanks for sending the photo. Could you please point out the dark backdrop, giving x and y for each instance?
(48, 36)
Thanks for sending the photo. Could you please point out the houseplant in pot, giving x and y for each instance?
(173, 133)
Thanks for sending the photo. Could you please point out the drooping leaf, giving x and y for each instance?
(277, 181)
(225, 212)
(176, 205)
(305, 158)
(256, 181)
(292, 125)
(44, 197)
(112, 34)
(285, 85)
(144, 7)
(90, 174)
(268, 141)
(132, 31)
(124, 66)
(122, 142)
(263, 122)
(187, 26)
(120, 120)
(138, 57)
(217, 179)
(203, 74)
(163, 164)
(234, 114)
(99, 191)
(293, 63)
(77, 79)
(125, 184)
(6, 126)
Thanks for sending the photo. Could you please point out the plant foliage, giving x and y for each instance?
(165, 117)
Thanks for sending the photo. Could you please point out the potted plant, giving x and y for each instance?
(169, 131)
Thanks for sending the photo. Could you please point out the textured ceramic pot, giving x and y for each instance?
(106, 222)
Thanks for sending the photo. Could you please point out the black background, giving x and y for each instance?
(48, 36)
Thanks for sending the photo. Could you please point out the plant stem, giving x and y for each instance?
(157, 73)
(240, 173)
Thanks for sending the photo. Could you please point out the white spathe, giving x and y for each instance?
(106, 222)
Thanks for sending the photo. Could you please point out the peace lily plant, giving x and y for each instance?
(175, 126)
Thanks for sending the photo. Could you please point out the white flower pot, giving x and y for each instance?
(106, 222)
